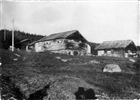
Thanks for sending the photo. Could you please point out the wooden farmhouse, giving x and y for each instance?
(119, 48)
(69, 42)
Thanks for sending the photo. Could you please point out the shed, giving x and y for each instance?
(22, 44)
(118, 48)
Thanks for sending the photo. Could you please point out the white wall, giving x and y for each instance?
(100, 52)
(38, 47)
(88, 49)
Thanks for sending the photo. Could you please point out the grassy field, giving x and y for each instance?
(39, 76)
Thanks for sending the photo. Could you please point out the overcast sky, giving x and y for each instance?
(96, 21)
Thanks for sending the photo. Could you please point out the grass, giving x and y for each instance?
(33, 71)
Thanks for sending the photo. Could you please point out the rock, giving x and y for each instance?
(112, 68)
(64, 60)
(132, 60)
(0, 63)
(17, 55)
(94, 61)
(58, 57)
(15, 59)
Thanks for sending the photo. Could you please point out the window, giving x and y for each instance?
(58, 41)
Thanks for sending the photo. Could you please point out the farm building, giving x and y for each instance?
(118, 48)
(69, 42)
(93, 46)
(22, 44)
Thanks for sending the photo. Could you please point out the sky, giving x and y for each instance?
(97, 21)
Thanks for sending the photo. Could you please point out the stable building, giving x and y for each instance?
(22, 44)
(69, 42)
(118, 48)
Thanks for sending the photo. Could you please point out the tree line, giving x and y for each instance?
(6, 38)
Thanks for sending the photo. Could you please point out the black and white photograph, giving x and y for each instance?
(69, 49)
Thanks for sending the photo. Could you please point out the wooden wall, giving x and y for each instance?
(119, 52)
(65, 46)
(112, 52)
(53, 45)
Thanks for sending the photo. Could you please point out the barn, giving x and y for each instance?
(118, 48)
(22, 44)
(69, 42)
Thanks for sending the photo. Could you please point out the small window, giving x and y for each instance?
(58, 41)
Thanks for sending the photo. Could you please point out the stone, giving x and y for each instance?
(15, 59)
(64, 60)
(17, 55)
(94, 61)
(58, 57)
(132, 60)
(112, 68)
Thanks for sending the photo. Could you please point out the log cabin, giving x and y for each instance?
(118, 48)
(69, 42)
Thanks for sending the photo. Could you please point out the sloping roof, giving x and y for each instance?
(92, 44)
(114, 44)
(60, 35)
(24, 40)
(32, 43)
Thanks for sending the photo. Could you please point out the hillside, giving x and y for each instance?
(48, 76)
(5, 41)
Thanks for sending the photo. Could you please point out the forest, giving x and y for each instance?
(21, 38)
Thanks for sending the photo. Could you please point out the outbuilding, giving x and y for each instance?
(118, 48)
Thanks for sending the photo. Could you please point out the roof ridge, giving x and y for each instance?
(63, 32)
(56, 35)
(114, 44)
(118, 40)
